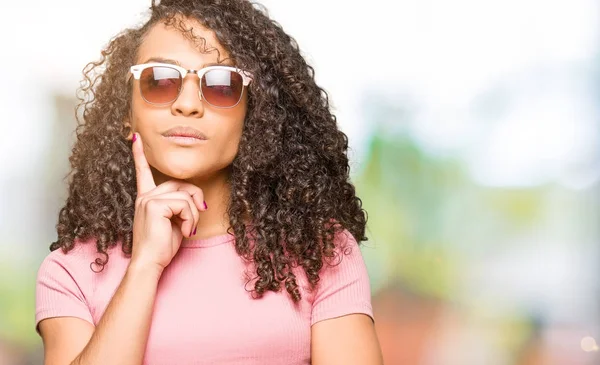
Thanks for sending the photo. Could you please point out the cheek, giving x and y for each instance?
(230, 136)
(143, 116)
(137, 118)
(139, 109)
(136, 112)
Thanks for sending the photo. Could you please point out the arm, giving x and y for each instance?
(342, 330)
(346, 340)
(163, 215)
(121, 334)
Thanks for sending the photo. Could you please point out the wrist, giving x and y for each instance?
(137, 268)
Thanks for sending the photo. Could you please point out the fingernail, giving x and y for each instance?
(134, 137)
(205, 206)
(193, 233)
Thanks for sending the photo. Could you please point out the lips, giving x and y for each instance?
(181, 131)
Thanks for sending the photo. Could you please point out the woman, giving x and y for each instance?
(210, 217)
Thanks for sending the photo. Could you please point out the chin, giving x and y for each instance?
(181, 175)
(178, 171)
(190, 169)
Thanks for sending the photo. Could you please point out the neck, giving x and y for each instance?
(216, 189)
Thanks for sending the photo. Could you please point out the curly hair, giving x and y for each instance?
(290, 186)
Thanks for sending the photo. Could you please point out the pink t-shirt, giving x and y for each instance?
(203, 313)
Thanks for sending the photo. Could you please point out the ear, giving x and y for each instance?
(127, 130)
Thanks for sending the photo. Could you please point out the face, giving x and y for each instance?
(171, 157)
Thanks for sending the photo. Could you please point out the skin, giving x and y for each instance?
(184, 178)
(203, 165)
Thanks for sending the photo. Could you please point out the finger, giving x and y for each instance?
(144, 178)
(179, 195)
(179, 185)
(169, 208)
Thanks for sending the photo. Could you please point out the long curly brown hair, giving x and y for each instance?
(290, 178)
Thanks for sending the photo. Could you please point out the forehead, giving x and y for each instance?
(168, 42)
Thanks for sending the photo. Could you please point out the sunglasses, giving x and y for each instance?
(220, 86)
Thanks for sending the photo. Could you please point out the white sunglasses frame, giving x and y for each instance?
(136, 71)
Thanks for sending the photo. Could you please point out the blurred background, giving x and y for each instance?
(474, 127)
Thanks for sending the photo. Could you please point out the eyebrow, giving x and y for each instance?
(175, 62)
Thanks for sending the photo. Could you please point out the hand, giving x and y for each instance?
(164, 214)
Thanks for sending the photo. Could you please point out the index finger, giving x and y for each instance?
(144, 178)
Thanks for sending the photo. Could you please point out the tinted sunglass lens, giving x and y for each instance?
(222, 88)
(160, 85)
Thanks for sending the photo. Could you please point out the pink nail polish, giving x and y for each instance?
(193, 233)
(205, 206)
(134, 137)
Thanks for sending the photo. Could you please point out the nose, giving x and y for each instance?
(189, 102)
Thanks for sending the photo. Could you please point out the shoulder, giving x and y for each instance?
(64, 283)
(343, 286)
(79, 257)
(80, 262)
(346, 249)
(67, 282)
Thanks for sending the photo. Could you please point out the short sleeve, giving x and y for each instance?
(61, 286)
(343, 287)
